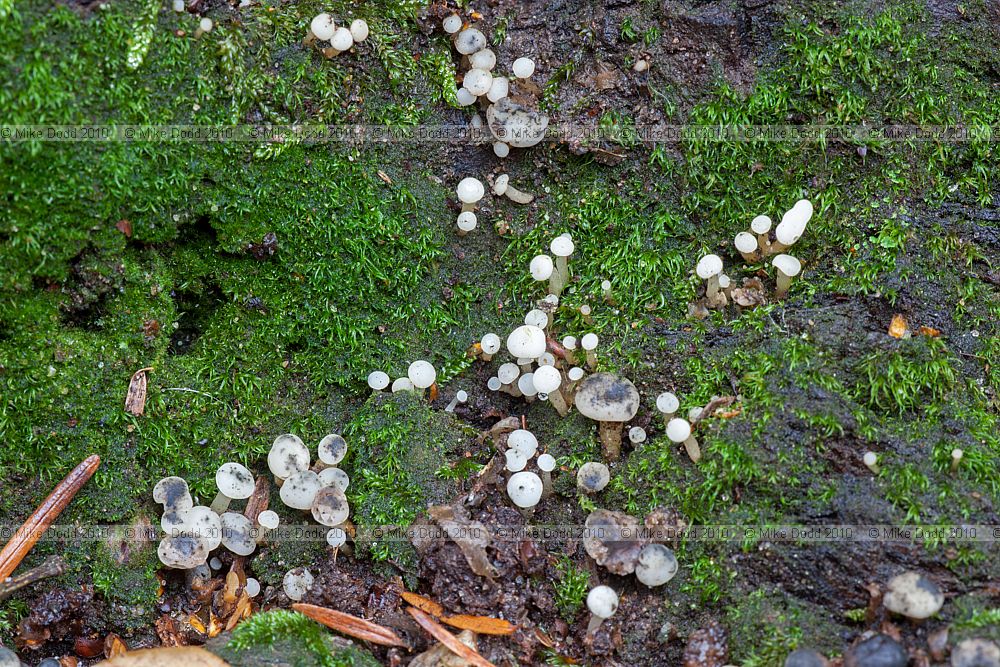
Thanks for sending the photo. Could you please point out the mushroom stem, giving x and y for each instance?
(750, 257)
(330, 52)
(764, 244)
(667, 416)
(692, 449)
(460, 397)
(594, 624)
(591, 360)
(558, 401)
(562, 266)
(784, 282)
(956, 458)
(468, 208)
(776, 247)
(309, 38)
(555, 280)
(585, 311)
(611, 439)
(546, 483)
(870, 459)
(712, 291)
(609, 297)
(513, 390)
(221, 503)
(517, 196)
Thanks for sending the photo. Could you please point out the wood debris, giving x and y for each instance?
(898, 327)
(440, 633)
(349, 625)
(135, 398)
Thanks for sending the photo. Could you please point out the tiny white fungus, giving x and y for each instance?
(523, 68)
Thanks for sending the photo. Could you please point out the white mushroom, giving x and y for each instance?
(708, 269)
(537, 318)
(296, 582)
(679, 431)
(483, 59)
(499, 89)
(526, 342)
(300, 489)
(668, 405)
(788, 267)
(330, 507)
(378, 380)
(173, 494)
(332, 449)
(792, 225)
(546, 464)
(235, 482)
(477, 82)
(336, 537)
(515, 460)
(547, 380)
(637, 435)
(656, 565)
(562, 247)
(469, 41)
(524, 489)
(523, 441)
(452, 24)
(252, 587)
(421, 374)
(870, 459)
(288, 456)
(466, 222)
(359, 30)
(592, 477)
(913, 595)
(515, 124)
(334, 477)
(402, 384)
(237, 534)
(589, 344)
(460, 397)
(182, 552)
(464, 97)
(541, 267)
(341, 41)
(747, 245)
(761, 226)
(602, 602)
(610, 400)
(523, 68)
(500, 149)
(321, 28)
(204, 25)
(470, 190)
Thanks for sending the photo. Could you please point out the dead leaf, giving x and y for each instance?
(898, 328)
(484, 625)
(439, 633)
(125, 227)
(114, 646)
(440, 655)
(929, 331)
(423, 604)
(135, 399)
(241, 611)
(174, 656)
(349, 625)
(470, 536)
(385, 177)
(166, 630)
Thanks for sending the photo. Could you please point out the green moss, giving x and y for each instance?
(124, 572)
(917, 373)
(288, 635)
(571, 588)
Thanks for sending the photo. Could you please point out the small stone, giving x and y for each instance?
(805, 657)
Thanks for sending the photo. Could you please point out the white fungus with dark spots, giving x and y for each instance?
(332, 449)
(913, 595)
(300, 489)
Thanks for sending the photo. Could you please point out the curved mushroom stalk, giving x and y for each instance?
(611, 440)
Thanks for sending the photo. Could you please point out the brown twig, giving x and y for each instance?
(31, 530)
(713, 405)
(349, 625)
(440, 633)
(257, 503)
(53, 566)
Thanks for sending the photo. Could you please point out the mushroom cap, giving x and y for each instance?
(477, 81)
(709, 266)
(724, 281)
(203, 523)
(237, 534)
(359, 30)
(546, 463)
(402, 384)
(667, 402)
(269, 519)
(452, 24)
(332, 449)
(612, 540)
(330, 507)
(787, 264)
(334, 477)
(499, 89)
(174, 521)
(378, 380)
(234, 481)
(494, 384)
(342, 39)
(547, 379)
(421, 374)
(182, 552)
(527, 342)
(870, 458)
(526, 383)
(515, 124)
(296, 582)
(678, 430)
(879, 650)
(523, 67)
(252, 587)
(537, 318)
(592, 477)
(523, 441)
(541, 267)
(500, 184)
(483, 59)
(636, 435)
(470, 190)
(469, 41)
(913, 595)
(336, 537)
(173, 494)
(508, 372)
(490, 343)
(975, 653)
(288, 456)
(562, 246)
(589, 341)
(605, 397)
(300, 489)
(322, 26)
(467, 221)
(500, 149)
(205, 24)
(746, 242)
(761, 224)
(515, 460)
(602, 601)
(569, 342)
(793, 223)
(656, 566)
(524, 489)
(575, 374)
(464, 97)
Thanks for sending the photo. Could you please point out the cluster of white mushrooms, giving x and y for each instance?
(419, 376)
(323, 28)
(754, 245)
(526, 488)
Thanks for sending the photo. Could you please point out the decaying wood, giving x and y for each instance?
(174, 656)
(484, 625)
(349, 625)
(31, 530)
(53, 566)
(712, 406)
(440, 633)
(135, 398)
